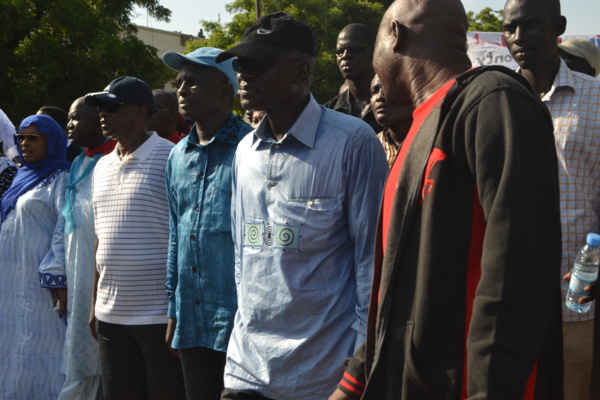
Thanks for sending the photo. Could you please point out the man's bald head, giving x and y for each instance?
(419, 40)
(359, 31)
(354, 53)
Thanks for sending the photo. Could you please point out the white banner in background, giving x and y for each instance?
(488, 48)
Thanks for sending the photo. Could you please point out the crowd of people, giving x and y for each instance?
(406, 240)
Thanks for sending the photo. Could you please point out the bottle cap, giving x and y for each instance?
(593, 239)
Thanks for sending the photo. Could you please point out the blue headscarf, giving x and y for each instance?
(30, 174)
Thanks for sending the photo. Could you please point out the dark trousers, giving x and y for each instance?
(137, 364)
(202, 373)
(230, 394)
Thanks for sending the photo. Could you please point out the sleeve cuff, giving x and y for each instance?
(171, 309)
(51, 281)
(351, 386)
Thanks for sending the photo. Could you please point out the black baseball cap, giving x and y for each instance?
(270, 35)
(125, 89)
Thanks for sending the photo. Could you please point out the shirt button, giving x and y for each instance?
(192, 237)
(194, 269)
(197, 302)
(271, 183)
(310, 202)
(276, 146)
(196, 208)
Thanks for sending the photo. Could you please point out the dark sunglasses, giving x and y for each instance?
(32, 138)
(257, 66)
(111, 108)
(352, 48)
(192, 83)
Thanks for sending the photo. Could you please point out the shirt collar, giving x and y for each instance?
(304, 129)
(141, 153)
(563, 79)
(228, 133)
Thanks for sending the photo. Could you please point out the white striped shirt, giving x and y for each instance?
(132, 225)
(574, 102)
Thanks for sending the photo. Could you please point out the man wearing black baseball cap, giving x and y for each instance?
(306, 192)
(131, 217)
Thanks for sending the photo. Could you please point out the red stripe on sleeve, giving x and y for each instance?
(351, 388)
(473, 274)
(354, 380)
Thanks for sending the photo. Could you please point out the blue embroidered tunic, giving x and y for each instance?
(200, 267)
(32, 260)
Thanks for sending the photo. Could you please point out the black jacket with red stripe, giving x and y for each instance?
(466, 301)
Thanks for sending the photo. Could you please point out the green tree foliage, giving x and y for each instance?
(54, 51)
(326, 18)
(486, 20)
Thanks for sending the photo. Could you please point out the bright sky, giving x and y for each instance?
(582, 15)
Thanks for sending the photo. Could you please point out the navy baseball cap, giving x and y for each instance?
(270, 35)
(125, 89)
(204, 56)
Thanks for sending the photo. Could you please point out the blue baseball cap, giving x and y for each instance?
(204, 56)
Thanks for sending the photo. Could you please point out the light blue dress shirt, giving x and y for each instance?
(304, 219)
(200, 266)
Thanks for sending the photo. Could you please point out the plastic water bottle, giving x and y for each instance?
(584, 272)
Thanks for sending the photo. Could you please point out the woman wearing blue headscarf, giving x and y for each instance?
(32, 264)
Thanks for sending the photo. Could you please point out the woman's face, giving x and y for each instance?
(33, 144)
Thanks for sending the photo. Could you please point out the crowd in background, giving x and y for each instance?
(407, 239)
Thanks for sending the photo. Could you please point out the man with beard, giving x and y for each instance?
(465, 302)
(531, 28)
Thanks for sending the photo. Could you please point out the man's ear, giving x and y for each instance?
(398, 35)
(303, 72)
(561, 25)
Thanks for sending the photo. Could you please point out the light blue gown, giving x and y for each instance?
(31, 333)
(81, 349)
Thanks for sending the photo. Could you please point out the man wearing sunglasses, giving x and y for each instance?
(306, 190)
(131, 217)
(354, 57)
(200, 267)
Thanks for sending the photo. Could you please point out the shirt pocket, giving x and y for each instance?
(220, 210)
(318, 220)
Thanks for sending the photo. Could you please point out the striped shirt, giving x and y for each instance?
(574, 102)
(132, 225)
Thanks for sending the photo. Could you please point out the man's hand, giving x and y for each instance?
(590, 289)
(60, 298)
(339, 395)
(171, 325)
